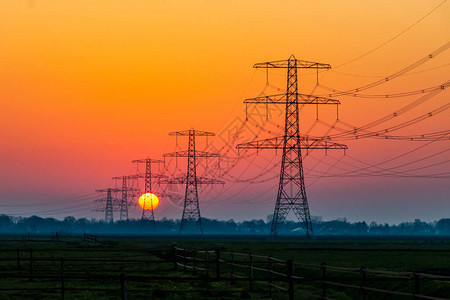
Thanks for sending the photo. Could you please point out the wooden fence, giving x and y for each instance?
(89, 238)
(289, 277)
(241, 272)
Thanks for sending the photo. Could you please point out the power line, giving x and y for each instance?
(394, 37)
(56, 202)
(380, 76)
(394, 75)
(384, 119)
(82, 207)
(369, 167)
(395, 95)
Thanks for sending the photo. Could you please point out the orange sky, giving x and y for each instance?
(89, 85)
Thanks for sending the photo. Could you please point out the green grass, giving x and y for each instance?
(421, 254)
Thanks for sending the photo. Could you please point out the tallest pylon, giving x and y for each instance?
(291, 189)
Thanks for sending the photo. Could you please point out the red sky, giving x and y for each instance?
(88, 86)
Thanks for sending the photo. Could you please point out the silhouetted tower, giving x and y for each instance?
(124, 203)
(109, 208)
(109, 203)
(125, 190)
(291, 189)
(191, 210)
(148, 214)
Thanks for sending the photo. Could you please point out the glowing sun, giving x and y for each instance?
(148, 201)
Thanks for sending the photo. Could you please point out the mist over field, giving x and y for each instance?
(338, 227)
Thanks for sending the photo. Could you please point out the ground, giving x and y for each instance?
(75, 269)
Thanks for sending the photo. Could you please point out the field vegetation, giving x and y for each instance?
(75, 269)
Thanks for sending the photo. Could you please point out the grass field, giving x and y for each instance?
(93, 271)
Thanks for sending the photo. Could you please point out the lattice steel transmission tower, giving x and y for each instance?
(125, 190)
(191, 210)
(110, 203)
(109, 208)
(148, 214)
(291, 189)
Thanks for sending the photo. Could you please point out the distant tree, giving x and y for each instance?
(68, 223)
(231, 226)
(360, 228)
(5, 223)
(32, 224)
(341, 226)
(443, 226)
(422, 228)
(81, 224)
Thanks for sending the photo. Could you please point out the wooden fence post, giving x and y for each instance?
(416, 285)
(290, 279)
(232, 267)
(207, 264)
(174, 253)
(270, 275)
(194, 259)
(62, 278)
(123, 287)
(323, 268)
(18, 260)
(184, 260)
(31, 264)
(363, 282)
(218, 263)
(250, 273)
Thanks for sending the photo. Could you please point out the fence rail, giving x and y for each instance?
(244, 272)
(279, 274)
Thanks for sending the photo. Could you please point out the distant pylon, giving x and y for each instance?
(110, 203)
(125, 190)
(109, 217)
(149, 214)
(124, 203)
(191, 210)
(291, 190)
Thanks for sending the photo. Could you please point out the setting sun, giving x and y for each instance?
(148, 201)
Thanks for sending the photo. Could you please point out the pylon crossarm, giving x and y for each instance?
(186, 154)
(176, 180)
(301, 64)
(194, 132)
(281, 99)
(113, 201)
(143, 175)
(145, 160)
(321, 144)
(272, 143)
(278, 143)
(113, 190)
(200, 180)
(205, 180)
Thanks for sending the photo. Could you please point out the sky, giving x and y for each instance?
(87, 86)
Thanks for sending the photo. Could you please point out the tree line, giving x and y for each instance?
(71, 225)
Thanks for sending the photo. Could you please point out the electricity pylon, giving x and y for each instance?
(148, 214)
(125, 190)
(191, 210)
(291, 189)
(110, 203)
